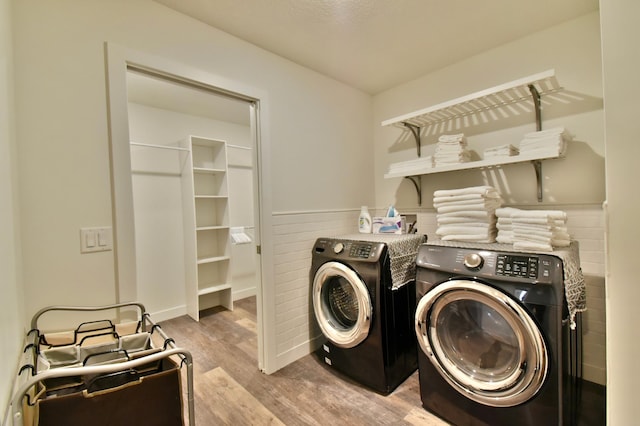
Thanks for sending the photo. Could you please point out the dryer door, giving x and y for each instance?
(341, 304)
(482, 342)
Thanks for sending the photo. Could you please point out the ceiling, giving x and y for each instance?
(375, 45)
(372, 45)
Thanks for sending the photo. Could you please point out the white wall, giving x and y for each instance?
(621, 60)
(573, 50)
(575, 184)
(315, 127)
(12, 324)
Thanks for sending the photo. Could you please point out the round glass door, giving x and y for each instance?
(482, 342)
(341, 304)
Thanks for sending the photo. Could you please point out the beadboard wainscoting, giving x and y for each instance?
(294, 234)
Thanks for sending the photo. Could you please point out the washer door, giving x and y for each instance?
(482, 342)
(341, 304)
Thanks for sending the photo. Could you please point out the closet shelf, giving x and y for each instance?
(211, 197)
(211, 228)
(208, 255)
(212, 259)
(150, 145)
(207, 170)
(213, 289)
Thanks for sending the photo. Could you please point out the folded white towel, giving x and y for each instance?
(474, 238)
(548, 132)
(482, 229)
(452, 138)
(485, 190)
(513, 212)
(465, 197)
(507, 150)
(471, 202)
(475, 214)
(489, 206)
(506, 212)
(504, 239)
(468, 221)
(529, 245)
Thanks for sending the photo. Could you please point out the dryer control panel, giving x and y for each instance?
(512, 266)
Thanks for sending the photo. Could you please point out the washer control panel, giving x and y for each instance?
(360, 250)
(348, 249)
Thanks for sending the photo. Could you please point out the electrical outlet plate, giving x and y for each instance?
(96, 239)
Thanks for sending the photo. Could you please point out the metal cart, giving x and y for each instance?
(123, 370)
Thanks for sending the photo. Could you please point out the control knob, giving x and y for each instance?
(473, 261)
(338, 248)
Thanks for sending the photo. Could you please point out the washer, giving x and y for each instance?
(493, 349)
(365, 315)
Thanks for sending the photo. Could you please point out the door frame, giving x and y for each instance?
(118, 61)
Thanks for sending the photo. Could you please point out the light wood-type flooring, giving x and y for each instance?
(230, 390)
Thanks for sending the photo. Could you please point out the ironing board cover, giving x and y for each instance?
(574, 284)
(403, 249)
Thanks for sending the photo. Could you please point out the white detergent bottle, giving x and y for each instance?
(364, 221)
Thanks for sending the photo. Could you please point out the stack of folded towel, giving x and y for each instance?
(451, 149)
(507, 150)
(410, 166)
(467, 214)
(539, 230)
(552, 142)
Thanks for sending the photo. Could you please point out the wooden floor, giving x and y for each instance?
(229, 388)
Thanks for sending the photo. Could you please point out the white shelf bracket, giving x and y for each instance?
(416, 134)
(417, 183)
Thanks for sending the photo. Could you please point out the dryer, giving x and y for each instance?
(493, 347)
(363, 297)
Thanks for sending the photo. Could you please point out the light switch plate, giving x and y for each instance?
(96, 239)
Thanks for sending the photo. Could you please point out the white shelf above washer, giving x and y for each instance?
(502, 95)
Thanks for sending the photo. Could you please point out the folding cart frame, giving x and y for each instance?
(90, 386)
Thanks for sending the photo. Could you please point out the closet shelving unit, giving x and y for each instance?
(504, 99)
(208, 247)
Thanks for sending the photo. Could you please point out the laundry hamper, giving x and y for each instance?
(102, 372)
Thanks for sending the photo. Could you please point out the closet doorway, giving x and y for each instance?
(166, 129)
